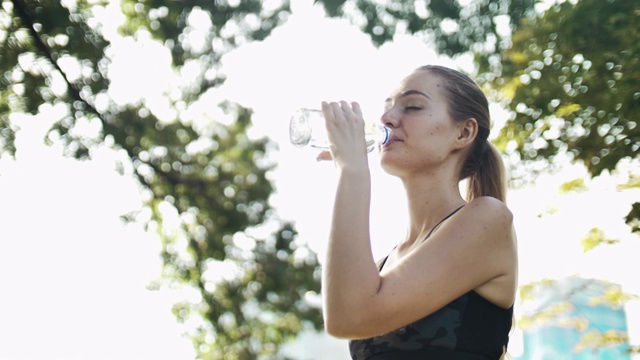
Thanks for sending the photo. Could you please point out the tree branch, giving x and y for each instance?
(74, 92)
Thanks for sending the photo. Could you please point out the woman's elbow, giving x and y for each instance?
(339, 325)
(335, 325)
(350, 318)
(340, 330)
(348, 327)
(335, 330)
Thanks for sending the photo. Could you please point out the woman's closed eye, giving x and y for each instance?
(406, 108)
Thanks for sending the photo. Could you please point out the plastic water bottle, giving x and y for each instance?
(307, 129)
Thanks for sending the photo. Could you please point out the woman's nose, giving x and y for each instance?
(389, 119)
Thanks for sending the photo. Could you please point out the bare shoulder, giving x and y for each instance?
(488, 214)
(474, 250)
(492, 222)
(490, 206)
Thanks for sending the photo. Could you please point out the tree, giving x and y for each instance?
(570, 79)
(453, 27)
(567, 74)
(206, 174)
(55, 55)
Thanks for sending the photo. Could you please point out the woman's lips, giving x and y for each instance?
(392, 139)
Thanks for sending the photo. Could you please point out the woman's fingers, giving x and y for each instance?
(327, 110)
(344, 124)
(338, 111)
(324, 156)
(341, 111)
(356, 109)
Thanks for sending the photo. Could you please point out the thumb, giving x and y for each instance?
(325, 155)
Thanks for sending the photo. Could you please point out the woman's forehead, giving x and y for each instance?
(420, 80)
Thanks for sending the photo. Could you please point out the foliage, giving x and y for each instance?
(208, 176)
(568, 74)
(633, 182)
(570, 79)
(594, 238)
(599, 339)
(575, 185)
(35, 44)
(454, 27)
(633, 218)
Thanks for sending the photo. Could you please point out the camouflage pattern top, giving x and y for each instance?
(468, 328)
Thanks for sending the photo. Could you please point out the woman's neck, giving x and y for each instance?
(430, 199)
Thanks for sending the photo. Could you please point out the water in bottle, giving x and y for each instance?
(307, 129)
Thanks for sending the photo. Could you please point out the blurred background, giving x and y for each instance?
(151, 206)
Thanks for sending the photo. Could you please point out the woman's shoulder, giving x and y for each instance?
(488, 218)
(489, 207)
(491, 222)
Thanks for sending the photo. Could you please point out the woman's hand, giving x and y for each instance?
(345, 128)
(324, 155)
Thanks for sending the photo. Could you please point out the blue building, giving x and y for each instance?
(565, 317)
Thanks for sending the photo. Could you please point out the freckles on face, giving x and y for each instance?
(418, 111)
(392, 162)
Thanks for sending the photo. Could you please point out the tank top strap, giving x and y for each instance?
(383, 262)
(429, 234)
(443, 220)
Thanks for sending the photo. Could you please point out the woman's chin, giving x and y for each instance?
(390, 166)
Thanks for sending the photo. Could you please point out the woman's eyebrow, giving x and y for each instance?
(410, 92)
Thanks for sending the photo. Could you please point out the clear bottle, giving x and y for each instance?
(307, 129)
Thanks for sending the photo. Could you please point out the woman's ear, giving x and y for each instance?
(467, 132)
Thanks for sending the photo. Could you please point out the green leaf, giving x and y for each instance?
(595, 238)
(575, 185)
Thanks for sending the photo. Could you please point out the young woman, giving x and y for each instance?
(447, 290)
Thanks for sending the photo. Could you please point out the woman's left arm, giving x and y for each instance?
(474, 250)
(349, 273)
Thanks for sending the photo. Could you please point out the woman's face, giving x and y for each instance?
(423, 133)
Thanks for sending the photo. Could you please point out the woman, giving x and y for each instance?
(447, 290)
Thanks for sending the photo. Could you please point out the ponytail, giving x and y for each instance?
(489, 177)
(483, 167)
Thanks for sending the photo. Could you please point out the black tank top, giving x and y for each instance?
(468, 328)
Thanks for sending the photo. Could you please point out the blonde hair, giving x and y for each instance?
(483, 166)
(489, 179)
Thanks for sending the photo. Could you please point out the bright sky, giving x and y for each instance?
(74, 279)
